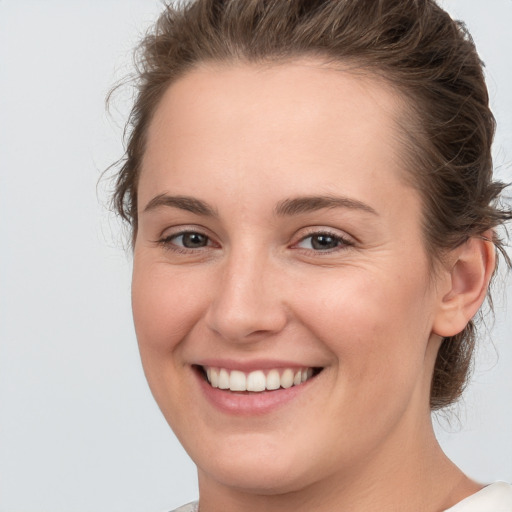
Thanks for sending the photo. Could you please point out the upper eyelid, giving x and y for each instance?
(319, 230)
(182, 229)
(343, 242)
(167, 239)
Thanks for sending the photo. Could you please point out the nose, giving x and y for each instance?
(247, 305)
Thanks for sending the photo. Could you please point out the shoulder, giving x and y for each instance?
(189, 507)
(496, 497)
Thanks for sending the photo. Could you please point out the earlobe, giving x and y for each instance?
(472, 266)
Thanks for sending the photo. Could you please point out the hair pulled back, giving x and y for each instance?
(414, 45)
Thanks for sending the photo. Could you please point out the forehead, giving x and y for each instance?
(294, 120)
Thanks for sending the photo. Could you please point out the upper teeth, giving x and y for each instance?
(258, 380)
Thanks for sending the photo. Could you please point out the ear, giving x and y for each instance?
(468, 277)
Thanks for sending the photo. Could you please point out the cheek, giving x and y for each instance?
(376, 326)
(378, 334)
(165, 305)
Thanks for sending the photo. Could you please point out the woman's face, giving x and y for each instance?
(279, 245)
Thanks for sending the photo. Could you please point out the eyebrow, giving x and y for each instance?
(306, 204)
(287, 207)
(190, 204)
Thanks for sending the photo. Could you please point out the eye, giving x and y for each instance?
(186, 240)
(190, 240)
(323, 242)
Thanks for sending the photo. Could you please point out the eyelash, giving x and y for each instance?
(168, 242)
(342, 243)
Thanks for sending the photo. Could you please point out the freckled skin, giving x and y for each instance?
(243, 138)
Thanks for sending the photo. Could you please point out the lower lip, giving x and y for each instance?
(249, 404)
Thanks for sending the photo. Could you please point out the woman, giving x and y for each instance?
(314, 221)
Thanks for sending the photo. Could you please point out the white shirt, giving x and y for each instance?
(496, 497)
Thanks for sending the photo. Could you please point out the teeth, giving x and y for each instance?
(213, 377)
(287, 378)
(223, 379)
(273, 380)
(237, 381)
(258, 380)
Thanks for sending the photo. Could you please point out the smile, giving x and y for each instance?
(259, 380)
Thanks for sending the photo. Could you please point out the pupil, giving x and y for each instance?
(194, 240)
(323, 242)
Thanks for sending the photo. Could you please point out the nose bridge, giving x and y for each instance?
(247, 304)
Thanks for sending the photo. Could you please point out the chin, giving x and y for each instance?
(253, 463)
(263, 477)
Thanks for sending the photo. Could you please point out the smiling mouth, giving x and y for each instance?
(257, 381)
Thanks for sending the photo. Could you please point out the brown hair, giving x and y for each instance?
(413, 45)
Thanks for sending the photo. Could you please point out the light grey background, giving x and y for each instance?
(78, 428)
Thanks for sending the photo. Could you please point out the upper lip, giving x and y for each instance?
(252, 365)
